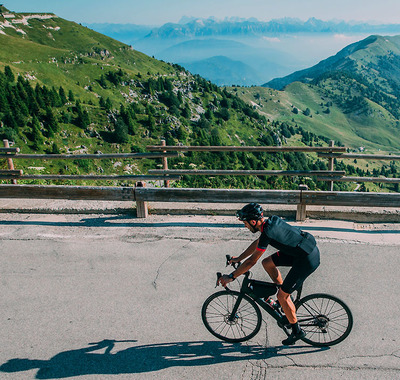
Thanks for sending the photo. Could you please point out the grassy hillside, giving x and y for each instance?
(372, 127)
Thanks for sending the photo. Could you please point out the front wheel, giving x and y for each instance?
(219, 321)
(325, 319)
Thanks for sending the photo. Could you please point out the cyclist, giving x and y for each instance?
(296, 249)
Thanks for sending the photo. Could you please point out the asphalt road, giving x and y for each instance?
(100, 297)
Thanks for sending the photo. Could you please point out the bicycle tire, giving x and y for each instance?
(326, 319)
(218, 307)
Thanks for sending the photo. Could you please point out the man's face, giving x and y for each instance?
(251, 226)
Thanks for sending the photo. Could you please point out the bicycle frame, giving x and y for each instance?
(234, 316)
(278, 316)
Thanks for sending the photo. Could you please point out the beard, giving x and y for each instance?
(253, 229)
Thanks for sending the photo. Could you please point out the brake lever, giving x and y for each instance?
(228, 258)
(219, 275)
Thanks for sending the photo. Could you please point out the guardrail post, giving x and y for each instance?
(165, 163)
(330, 163)
(142, 210)
(301, 207)
(9, 161)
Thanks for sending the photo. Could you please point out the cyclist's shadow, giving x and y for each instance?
(143, 358)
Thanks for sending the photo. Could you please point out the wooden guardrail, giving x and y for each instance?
(106, 193)
(301, 198)
(13, 153)
(270, 149)
(352, 156)
(331, 152)
(97, 156)
(248, 172)
(331, 149)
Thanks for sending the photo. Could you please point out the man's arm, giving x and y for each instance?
(254, 254)
(249, 251)
(249, 263)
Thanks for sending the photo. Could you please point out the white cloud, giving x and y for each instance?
(343, 37)
(272, 39)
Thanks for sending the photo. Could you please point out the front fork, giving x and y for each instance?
(232, 317)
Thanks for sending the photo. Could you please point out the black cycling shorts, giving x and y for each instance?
(302, 266)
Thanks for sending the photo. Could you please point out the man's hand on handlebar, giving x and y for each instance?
(233, 260)
(224, 280)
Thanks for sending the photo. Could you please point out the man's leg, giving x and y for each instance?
(290, 311)
(270, 265)
(287, 305)
(272, 270)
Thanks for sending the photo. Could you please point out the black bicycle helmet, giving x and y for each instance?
(252, 211)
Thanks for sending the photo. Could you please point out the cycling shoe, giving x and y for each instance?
(293, 338)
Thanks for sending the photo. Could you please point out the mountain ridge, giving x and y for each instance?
(358, 58)
(205, 27)
(265, 41)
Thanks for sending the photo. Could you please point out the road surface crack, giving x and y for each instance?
(154, 283)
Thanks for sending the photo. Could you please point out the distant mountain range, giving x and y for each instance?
(220, 67)
(253, 27)
(266, 50)
(352, 96)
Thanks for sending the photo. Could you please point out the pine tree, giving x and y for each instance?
(71, 96)
(63, 97)
(82, 119)
(39, 96)
(151, 123)
(51, 123)
(55, 149)
(126, 115)
(9, 74)
(4, 106)
(102, 102)
(55, 98)
(109, 104)
(9, 121)
(186, 112)
(120, 134)
(102, 81)
(37, 137)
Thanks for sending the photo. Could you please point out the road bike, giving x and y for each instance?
(235, 316)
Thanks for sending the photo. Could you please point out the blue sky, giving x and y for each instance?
(157, 12)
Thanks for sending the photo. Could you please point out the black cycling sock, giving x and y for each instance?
(295, 328)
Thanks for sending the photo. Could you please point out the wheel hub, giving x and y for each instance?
(228, 321)
(322, 322)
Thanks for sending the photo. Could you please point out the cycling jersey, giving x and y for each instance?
(297, 249)
(284, 237)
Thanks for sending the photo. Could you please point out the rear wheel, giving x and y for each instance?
(217, 316)
(325, 319)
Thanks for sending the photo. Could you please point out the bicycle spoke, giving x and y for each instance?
(219, 320)
(325, 319)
